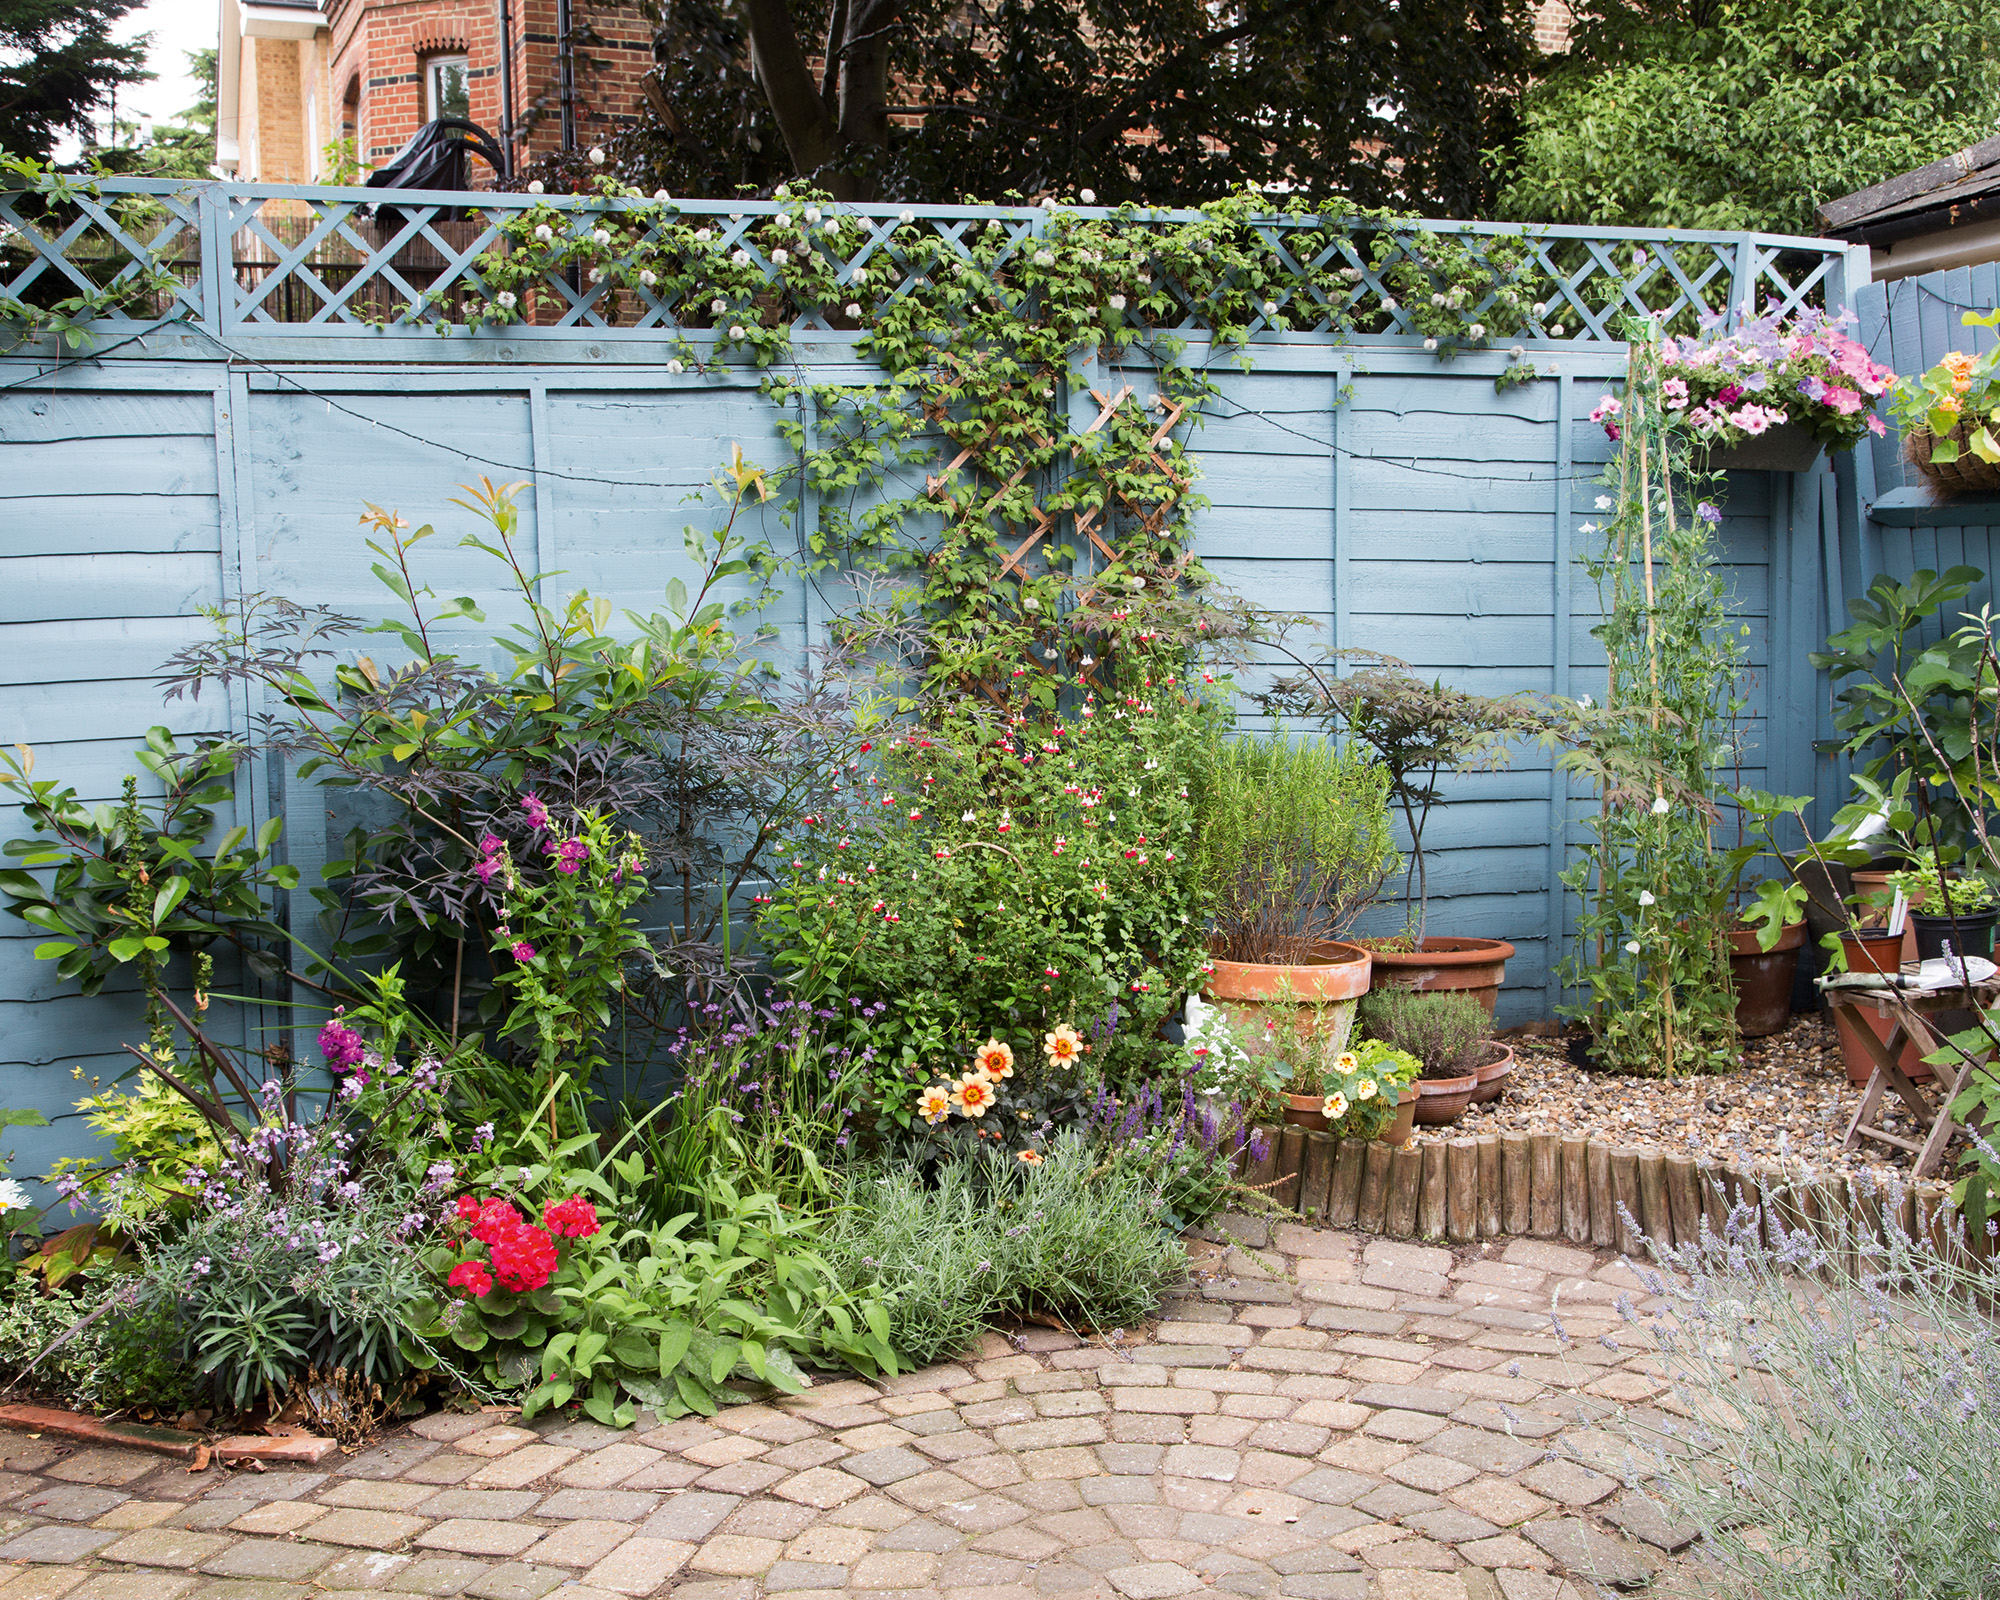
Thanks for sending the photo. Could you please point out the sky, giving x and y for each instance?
(177, 26)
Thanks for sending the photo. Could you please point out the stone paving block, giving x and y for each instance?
(1432, 1474)
(1588, 1553)
(931, 1490)
(1154, 1580)
(112, 1467)
(368, 1495)
(389, 1459)
(439, 1575)
(280, 1560)
(1409, 1397)
(890, 1464)
(608, 1467)
(1046, 1434)
(690, 1517)
(56, 1542)
(582, 1543)
(876, 1436)
(166, 1547)
(248, 1589)
(770, 1519)
(70, 1502)
(474, 1536)
(732, 1555)
(599, 1505)
(1408, 1585)
(1202, 1461)
(833, 1545)
(1568, 1483)
(497, 1441)
(142, 1514)
(368, 1530)
(639, 1566)
(134, 1586)
(1542, 1255)
(448, 1427)
(791, 1577)
(745, 1477)
(517, 1580)
(894, 1569)
(1499, 1501)
(1646, 1519)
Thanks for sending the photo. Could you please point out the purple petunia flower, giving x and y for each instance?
(1708, 513)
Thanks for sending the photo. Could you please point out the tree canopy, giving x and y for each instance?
(1156, 101)
(59, 66)
(1699, 114)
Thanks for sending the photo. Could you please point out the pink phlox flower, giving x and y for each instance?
(570, 854)
(1845, 401)
(1875, 426)
(1670, 353)
(1754, 420)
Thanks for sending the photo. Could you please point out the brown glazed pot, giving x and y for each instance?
(1493, 1075)
(1763, 978)
(1872, 952)
(1474, 966)
(1443, 1100)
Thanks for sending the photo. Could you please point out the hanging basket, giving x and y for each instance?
(1951, 480)
(1785, 448)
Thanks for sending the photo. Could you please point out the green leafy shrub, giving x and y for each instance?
(1446, 1031)
(125, 1357)
(1077, 1236)
(1295, 843)
(662, 1316)
(1001, 882)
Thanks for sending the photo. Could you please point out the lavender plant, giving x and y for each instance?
(1838, 1401)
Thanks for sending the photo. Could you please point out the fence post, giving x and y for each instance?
(211, 211)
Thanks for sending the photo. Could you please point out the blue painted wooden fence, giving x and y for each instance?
(212, 449)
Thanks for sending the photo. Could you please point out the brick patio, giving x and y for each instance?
(1326, 1416)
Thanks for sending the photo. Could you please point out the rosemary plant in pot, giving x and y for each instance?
(1295, 843)
(1419, 732)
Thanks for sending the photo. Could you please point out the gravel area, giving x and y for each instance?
(1791, 1087)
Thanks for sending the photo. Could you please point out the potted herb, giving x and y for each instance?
(1418, 731)
(1950, 417)
(1958, 908)
(1451, 1036)
(1295, 842)
(1764, 945)
(1358, 1093)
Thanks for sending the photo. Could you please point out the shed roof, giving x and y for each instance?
(1963, 187)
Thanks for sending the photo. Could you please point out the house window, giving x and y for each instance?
(445, 87)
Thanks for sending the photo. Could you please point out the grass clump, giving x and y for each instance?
(1446, 1031)
(1075, 1237)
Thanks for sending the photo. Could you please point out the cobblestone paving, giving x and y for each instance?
(1321, 1415)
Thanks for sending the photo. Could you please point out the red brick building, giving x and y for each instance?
(307, 86)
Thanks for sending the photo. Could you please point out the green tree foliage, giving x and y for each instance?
(58, 65)
(1694, 114)
(1156, 101)
(183, 148)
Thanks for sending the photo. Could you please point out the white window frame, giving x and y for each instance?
(432, 65)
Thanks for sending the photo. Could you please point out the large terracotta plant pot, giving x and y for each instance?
(1492, 1075)
(1872, 952)
(1472, 966)
(1763, 978)
(1268, 1003)
(1306, 1111)
(1443, 1100)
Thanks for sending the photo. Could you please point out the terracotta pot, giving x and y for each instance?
(1472, 966)
(1257, 997)
(1306, 1111)
(1873, 882)
(1443, 1100)
(1404, 1122)
(1879, 952)
(1492, 1076)
(1763, 978)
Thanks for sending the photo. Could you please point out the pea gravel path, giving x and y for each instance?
(1319, 1415)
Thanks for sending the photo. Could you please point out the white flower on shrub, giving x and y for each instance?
(1477, 330)
(1045, 258)
(1541, 308)
(505, 299)
(535, 187)
(906, 216)
(812, 213)
(676, 368)
(1631, 947)
(662, 196)
(1604, 502)
(702, 235)
(1646, 897)
(1117, 302)
(832, 225)
(600, 235)
(854, 308)
(740, 257)
(649, 277)
(596, 156)
(1270, 308)
(736, 330)
(1556, 332)
(1087, 196)
(860, 274)
(780, 257)
(544, 232)
(1430, 344)
(1660, 806)
(596, 276)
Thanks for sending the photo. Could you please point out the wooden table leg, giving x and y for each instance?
(1883, 1054)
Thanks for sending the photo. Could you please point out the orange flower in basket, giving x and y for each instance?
(1959, 365)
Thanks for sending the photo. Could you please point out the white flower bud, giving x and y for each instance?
(600, 235)
(736, 330)
(649, 277)
(535, 187)
(1270, 308)
(740, 257)
(812, 213)
(662, 196)
(544, 232)
(596, 157)
(676, 368)
(718, 306)
(854, 308)
(906, 217)
(780, 256)
(702, 236)
(1087, 196)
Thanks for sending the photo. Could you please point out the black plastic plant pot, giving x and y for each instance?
(1970, 933)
